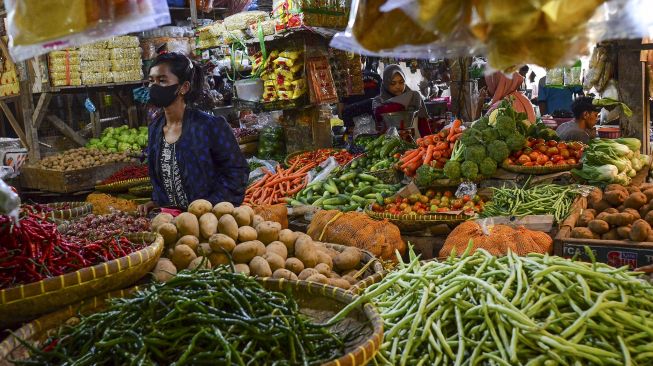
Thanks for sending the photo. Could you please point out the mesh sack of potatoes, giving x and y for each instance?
(356, 229)
(277, 213)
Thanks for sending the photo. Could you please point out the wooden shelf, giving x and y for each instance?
(7, 97)
(185, 11)
(324, 32)
(107, 85)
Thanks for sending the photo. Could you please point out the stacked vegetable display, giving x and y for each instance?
(538, 310)
(431, 202)
(487, 144)
(539, 152)
(433, 151)
(617, 213)
(217, 317)
(120, 138)
(207, 236)
(608, 161)
(82, 158)
(33, 249)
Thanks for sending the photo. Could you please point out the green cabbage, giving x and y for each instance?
(633, 144)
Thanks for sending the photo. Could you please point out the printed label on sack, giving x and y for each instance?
(613, 256)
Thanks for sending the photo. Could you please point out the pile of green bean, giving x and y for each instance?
(535, 310)
(211, 317)
(546, 199)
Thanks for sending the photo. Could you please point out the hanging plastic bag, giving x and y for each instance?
(364, 125)
(36, 27)
(271, 140)
(322, 171)
(258, 173)
(9, 200)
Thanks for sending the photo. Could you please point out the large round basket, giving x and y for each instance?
(538, 170)
(410, 223)
(28, 301)
(370, 266)
(387, 176)
(122, 186)
(68, 210)
(320, 302)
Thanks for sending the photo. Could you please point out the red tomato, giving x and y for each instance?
(517, 154)
(562, 145)
(578, 154)
(534, 155)
(552, 143)
(466, 198)
(540, 141)
(561, 162)
(530, 142)
(530, 163)
(565, 153)
(542, 160)
(523, 160)
(571, 161)
(556, 158)
(509, 161)
(552, 151)
(543, 149)
(448, 194)
(548, 163)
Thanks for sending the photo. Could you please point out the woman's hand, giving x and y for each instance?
(144, 209)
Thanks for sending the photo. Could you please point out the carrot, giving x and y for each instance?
(410, 154)
(429, 154)
(452, 131)
(441, 146)
(413, 160)
(436, 154)
(455, 137)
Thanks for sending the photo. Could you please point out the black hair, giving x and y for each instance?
(185, 70)
(523, 70)
(582, 105)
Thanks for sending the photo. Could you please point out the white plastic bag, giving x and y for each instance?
(322, 171)
(9, 200)
(36, 27)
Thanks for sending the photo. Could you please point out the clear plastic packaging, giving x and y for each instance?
(9, 200)
(510, 33)
(36, 27)
(325, 168)
(364, 125)
(241, 21)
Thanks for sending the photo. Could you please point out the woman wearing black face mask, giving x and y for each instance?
(191, 155)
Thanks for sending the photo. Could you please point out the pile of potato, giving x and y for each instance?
(617, 213)
(207, 236)
(81, 158)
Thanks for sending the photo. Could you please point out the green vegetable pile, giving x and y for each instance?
(487, 144)
(271, 143)
(347, 190)
(540, 130)
(546, 199)
(210, 317)
(608, 161)
(120, 138)
(534, 310)
(380, 153)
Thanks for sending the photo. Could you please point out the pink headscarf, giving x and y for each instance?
(501, 87)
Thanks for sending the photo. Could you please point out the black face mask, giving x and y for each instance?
(163, 96)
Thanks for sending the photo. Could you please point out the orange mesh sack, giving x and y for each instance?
(498, 241)
(277, 213)
(356, 229)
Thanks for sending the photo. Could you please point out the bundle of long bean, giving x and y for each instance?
(210, 317)
(535, 310)
(546, 199)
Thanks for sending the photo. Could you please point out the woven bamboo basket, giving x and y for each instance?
(418, 222)
(290, 156)
(387, 176)
(76, 209)
(121, 186)
(247, 139)
(317, 301)
(25, 302)
(538, 170)
(370, 266)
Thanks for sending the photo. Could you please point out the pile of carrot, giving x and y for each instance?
(434, 150)
(276, 187)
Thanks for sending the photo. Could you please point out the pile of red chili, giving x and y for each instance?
(130, 172)
(320, 155)
(33, 249)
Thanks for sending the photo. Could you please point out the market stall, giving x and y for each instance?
(486, 240)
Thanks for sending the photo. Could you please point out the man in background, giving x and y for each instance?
(582, 127)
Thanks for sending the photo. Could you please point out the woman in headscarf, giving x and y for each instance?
(396, 97)
(502, 87)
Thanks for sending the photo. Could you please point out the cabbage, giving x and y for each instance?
(597, 174)
(123, 146)
(633, 144)
(622, 179)
(631, 173)
(636, 162)
(110, 143)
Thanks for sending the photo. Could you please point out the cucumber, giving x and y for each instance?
(379, 198)
(348, 176)
(296, 203)
(368, 178)
(371, 196)
(326, 194)
(318, 202)
(353, 207)
(358, 199)
(335, 201)
(364, 191)
(330, 207)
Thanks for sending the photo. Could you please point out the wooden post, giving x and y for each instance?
(630, 90)
(193, 12)
(66, 130)
(95, 124)
(14, 123)
(41, 109)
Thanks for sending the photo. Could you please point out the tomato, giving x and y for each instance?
(527, 150)
(542, 160)
(534, 155)
(530, 142)
(434, 208)
(556, 158)
(408, 210)
(430, 193)
(562, 145)
(377, 208)
(552, 151)
(509, 161)
(565, 153)
(423, 199)
(523, 160)
(530, 163)
(517, 154)
(571, 161)
(543, 149)
(548, 163)
(457, 204)
(552, 143)
(575, 145)
(448, 194)
(578, 154)
(443, 209)
(397, 156)
(540, 141)
(403, 205)
(466, 198)
(561, 162)
(421, 211)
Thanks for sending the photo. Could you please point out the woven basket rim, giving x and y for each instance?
(413, 219)
(119, 185)
(16, 294)
(362, 353)
(286, 161)
(376, 266)
(77, 208)
(538, 169)
(248, 139)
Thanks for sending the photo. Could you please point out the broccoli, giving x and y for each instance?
(471, 137)
(475, 153)
(469, 170)
(452, 169)
(498, 151)
(425, 175)
(515, 142)
(488, 167)
(490, 135)
(506, 126)
(481, 124)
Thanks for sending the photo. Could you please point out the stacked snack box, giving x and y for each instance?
(65, 67)
(282, 74)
